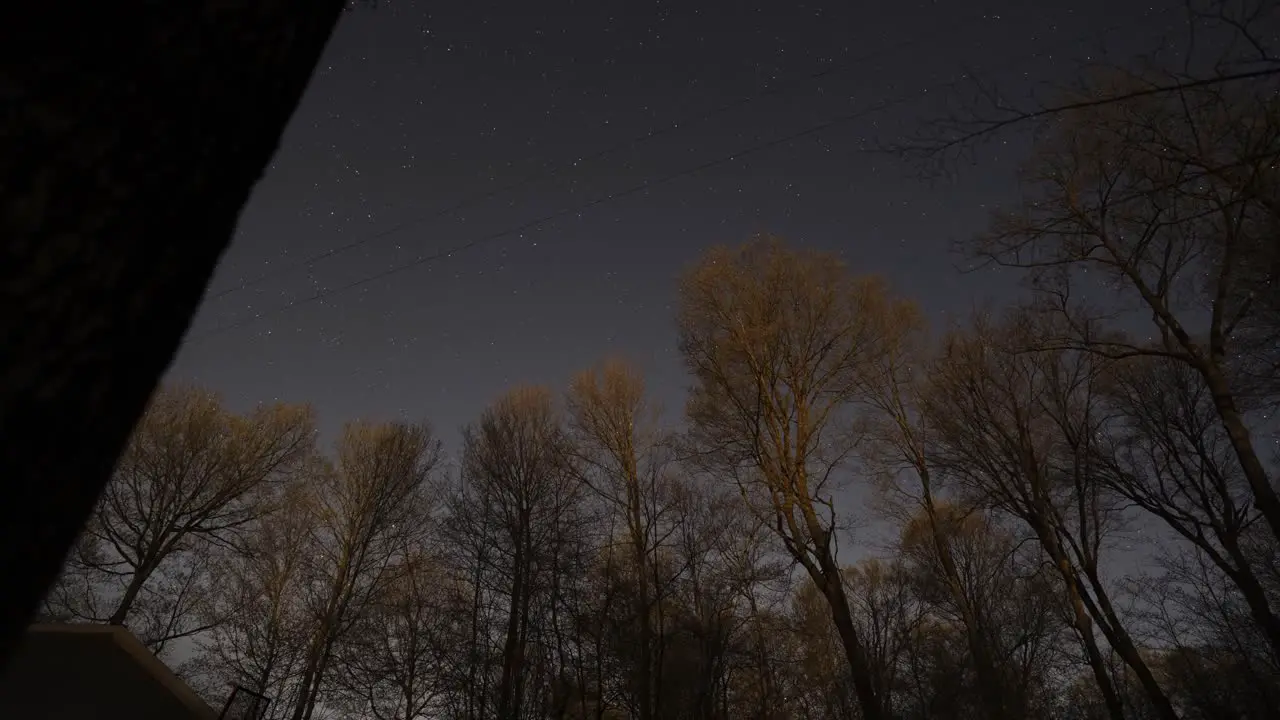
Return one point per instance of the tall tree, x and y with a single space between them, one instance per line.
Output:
1017 428
1169 456
1218 662
1163 206
889 615
898 448
516 492
980 582
367 506
777 341
624 459
193 477
259 622
395 662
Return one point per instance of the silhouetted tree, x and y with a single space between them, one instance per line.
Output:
777 342
367 505
395 662
1017 428
259 624
1227 43
1170 457
1158 204
517 492
623 458
193 477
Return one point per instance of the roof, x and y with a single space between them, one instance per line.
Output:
87 672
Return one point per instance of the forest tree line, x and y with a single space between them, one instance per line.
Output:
584 561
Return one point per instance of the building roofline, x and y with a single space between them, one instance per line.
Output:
145 659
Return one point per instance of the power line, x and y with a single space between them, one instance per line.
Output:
634 189
470 244
555 170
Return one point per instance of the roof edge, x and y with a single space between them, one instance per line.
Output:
146 659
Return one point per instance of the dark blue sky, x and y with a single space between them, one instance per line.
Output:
418 106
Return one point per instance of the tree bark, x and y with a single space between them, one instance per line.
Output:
127 157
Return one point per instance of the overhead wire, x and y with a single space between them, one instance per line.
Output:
532 224
837 67
421 260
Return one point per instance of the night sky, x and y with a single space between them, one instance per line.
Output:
418 107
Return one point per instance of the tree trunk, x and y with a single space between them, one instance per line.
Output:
520 696
475 703
128 599
511 650
127 155
1255 596
991 685
645 690
1101 612
1124 646
1097 663
832 586
322 641
309 681
1264 494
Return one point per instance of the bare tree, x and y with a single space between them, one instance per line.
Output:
747 568
624 458
516 493
888 614
471 558
395 664
823 664
259 622
192 478
366 506
1227 43
594 664
777 341
994 583
1017 429
1170 457
1218 662
898 448
1164 207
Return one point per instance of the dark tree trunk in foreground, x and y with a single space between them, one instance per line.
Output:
132 134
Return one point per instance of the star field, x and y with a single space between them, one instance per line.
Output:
430 127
